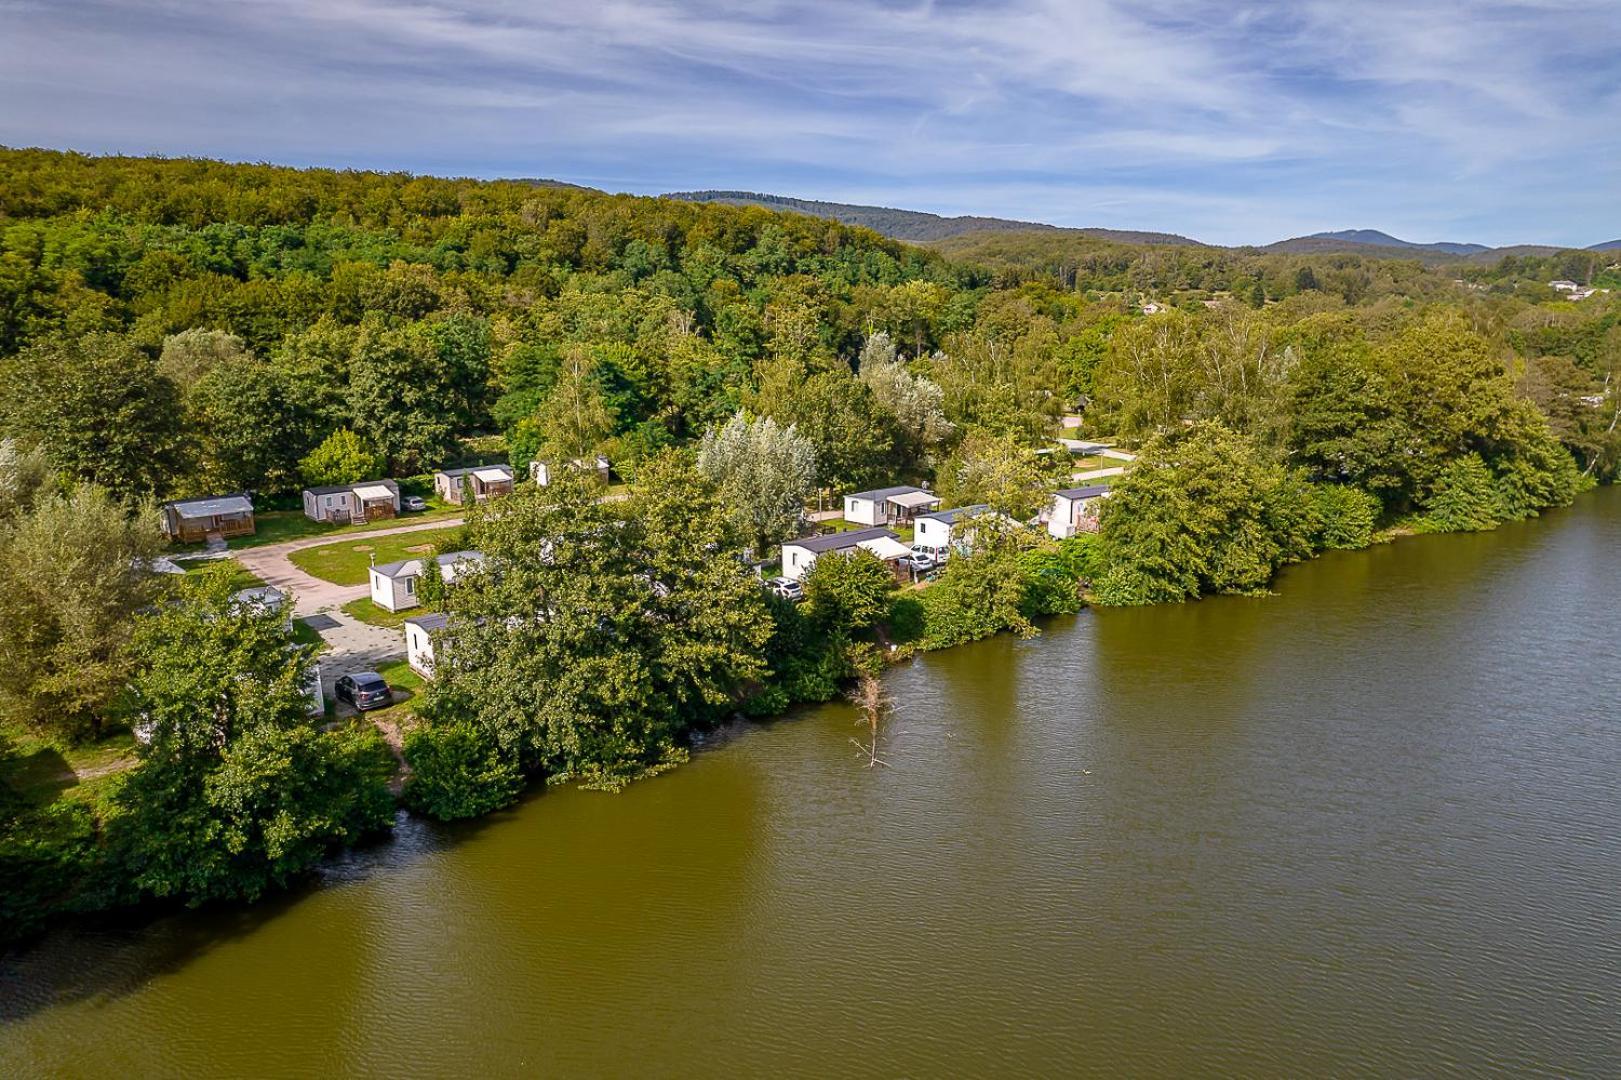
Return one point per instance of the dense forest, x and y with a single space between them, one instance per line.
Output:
180 327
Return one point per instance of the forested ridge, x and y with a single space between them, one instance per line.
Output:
180 327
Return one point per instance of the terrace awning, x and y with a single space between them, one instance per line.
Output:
374 492
886 548
492 476
912 499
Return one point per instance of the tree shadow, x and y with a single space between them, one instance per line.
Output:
38 777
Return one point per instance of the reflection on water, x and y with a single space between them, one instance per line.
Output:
1367 824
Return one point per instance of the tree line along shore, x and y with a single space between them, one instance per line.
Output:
174 328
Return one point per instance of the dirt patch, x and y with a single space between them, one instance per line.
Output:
419 549
363 547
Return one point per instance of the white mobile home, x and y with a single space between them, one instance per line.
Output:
347 504
1075 510
540 473
420 632
485 481
888 506
945 528
798 556
396 586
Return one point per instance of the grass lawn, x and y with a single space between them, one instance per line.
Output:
305 634
40 773
1087 464
241 577
274 526
346 562
367 611
405 683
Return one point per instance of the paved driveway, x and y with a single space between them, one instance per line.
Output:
270 562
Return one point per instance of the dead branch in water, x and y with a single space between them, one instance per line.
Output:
869 697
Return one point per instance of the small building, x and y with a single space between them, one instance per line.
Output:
420 632
888 506
486 482
540 473
395 586
353 504
1153 308
193 520
798 556
945 528
1563 286
1075 510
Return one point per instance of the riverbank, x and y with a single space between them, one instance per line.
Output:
1262 837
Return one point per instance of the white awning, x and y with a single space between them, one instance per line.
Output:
886 548
912 499
492 476
374 491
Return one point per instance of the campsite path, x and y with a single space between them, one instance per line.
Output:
270 562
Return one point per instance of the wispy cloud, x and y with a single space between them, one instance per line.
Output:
1490 120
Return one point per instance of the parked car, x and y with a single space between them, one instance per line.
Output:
788 590
921 564
414 502
364 690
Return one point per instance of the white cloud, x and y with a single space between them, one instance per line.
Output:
1205 116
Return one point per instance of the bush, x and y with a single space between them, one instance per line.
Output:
1464 497
457 772
46 855
1346 517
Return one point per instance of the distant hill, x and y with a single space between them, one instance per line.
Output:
537 181
915 226
1608 245
1351 239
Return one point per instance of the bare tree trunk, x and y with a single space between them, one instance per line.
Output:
868 696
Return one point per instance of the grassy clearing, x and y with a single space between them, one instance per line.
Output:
241 576
406 685
346 562
369 612
305 634
41 773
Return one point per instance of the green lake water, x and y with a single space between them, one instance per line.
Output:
1368 825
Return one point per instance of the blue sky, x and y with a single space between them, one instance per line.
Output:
1232 122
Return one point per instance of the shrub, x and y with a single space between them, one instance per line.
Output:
1346 516
457 772
1464 497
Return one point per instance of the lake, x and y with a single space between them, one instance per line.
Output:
1369 824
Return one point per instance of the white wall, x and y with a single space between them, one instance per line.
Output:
933 532
393 594
862 511
419 649
796 561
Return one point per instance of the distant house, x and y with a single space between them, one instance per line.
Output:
1153 308
945 528
191 520
798 556
888 506
420 631
540 472
353 504
1563 286
487 482
261 598
1075 510
396 586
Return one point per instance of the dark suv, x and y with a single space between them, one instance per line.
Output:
364 690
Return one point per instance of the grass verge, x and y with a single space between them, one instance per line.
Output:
346 562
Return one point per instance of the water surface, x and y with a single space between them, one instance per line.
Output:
1368 824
